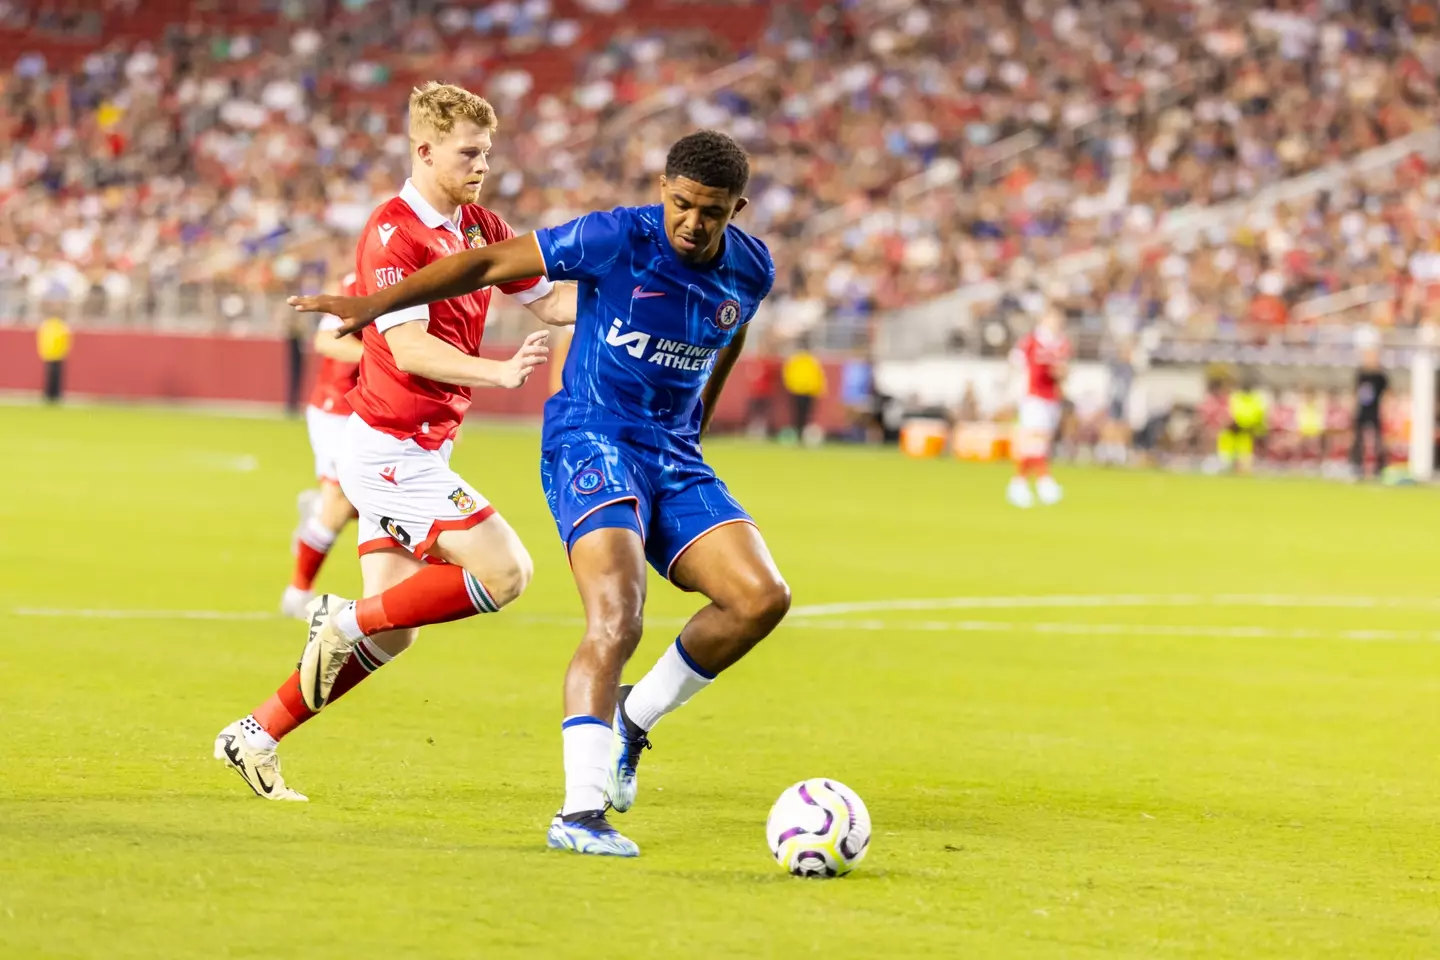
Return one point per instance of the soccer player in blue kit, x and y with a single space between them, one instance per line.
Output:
665 293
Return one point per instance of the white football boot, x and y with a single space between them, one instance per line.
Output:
589 833
326 651
1048 490
628 742
295 603
260 769
1018 493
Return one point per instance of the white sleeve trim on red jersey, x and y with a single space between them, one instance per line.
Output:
384 323
542 286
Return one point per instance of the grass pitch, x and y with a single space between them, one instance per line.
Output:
1174 716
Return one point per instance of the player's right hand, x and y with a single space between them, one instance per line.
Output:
355 312
532 353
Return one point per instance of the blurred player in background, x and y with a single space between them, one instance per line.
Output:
1371 383
324 511
1043 355
666 294
432 549
1248 414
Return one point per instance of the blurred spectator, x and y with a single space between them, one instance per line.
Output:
861 399
804 380
1247 408
763 389
52 339
1370 387
191 155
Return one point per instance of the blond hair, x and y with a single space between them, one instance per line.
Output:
436 107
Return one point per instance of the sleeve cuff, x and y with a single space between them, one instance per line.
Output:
384 323
540 288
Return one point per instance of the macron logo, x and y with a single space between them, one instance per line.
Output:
386 232
641 294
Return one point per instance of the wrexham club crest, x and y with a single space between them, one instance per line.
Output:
473 236
463 501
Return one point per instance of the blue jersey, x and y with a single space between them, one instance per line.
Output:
648 325
621 441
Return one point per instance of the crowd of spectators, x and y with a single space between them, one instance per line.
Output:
901 147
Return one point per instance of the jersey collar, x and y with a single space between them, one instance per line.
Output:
428 215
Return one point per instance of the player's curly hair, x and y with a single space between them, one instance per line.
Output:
711 158
436 107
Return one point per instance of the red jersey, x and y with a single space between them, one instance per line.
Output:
1043 354
335 378
402 236
1215 411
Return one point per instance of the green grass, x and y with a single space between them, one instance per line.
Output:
1044 781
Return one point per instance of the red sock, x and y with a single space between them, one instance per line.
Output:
437 594
307 564
286 709
1041 466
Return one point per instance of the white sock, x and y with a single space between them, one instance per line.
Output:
317 535
587 762
673 680
371 657
345 621
255 736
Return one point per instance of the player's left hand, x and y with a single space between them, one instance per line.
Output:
355 312
532 353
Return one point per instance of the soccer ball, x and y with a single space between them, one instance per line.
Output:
818 828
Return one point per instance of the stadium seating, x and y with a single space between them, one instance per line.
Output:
183 159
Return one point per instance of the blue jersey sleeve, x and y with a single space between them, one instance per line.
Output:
585 248
768 283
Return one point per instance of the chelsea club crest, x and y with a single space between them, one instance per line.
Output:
588 481
728 315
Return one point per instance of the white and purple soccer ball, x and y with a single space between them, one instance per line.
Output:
819 828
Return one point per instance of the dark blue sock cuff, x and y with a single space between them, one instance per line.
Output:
680 649
580 721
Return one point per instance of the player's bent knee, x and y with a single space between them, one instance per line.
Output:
619 631
493 554
505 578
765 604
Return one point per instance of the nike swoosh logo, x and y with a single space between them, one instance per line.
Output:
260 778
640 294
386 232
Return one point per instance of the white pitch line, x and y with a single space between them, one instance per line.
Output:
81 614
1062 628
63 613
1142 601
1118 630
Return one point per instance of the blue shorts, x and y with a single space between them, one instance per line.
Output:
670 498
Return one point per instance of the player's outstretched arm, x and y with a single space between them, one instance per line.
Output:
344 349
724 363
420 354
557 308
506 262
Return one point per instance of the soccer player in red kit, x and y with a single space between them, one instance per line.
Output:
324 511
1044 354
432 549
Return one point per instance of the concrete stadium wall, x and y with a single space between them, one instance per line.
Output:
943 381
134 365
